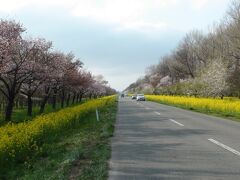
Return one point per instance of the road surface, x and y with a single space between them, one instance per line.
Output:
154 141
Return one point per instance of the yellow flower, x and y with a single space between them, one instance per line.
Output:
228 106
19 139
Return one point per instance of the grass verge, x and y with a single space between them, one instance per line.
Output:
79 153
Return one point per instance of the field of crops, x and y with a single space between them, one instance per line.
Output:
19 141
226 107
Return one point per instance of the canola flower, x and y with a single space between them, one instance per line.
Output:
227 107
18 140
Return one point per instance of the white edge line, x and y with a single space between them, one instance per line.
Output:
225 147
158 113
176 122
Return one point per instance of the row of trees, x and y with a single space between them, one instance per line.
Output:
30 70
201 65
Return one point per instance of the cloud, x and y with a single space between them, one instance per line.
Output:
120 15
110 11
141 26
12 5
123 14
199 4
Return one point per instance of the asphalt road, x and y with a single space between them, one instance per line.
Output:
154 141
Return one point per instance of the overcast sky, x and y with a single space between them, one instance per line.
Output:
116 38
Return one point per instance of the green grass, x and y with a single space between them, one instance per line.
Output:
79 153
20 114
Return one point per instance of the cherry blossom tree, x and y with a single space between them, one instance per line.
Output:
37 67
30 69
15 55
85 80
51 77
69 80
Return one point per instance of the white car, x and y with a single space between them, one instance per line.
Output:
141 97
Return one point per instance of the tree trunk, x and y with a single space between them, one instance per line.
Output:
9 108
21 104
74 97
44 102
68 99
90 96
222 96
54 100
154 91
80 97
30 104
62 99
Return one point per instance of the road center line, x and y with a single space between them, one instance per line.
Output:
157 113
176 122
225 147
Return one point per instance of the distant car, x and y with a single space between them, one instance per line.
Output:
140 97
134 96
122 95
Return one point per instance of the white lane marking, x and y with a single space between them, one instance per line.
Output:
147 108
225 147
178 123
157 113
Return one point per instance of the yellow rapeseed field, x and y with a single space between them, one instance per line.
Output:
18 140
227 107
